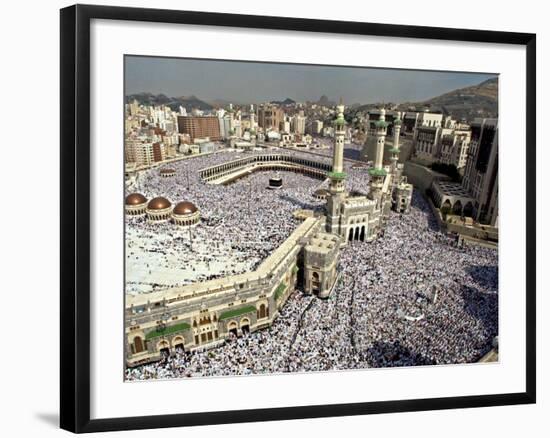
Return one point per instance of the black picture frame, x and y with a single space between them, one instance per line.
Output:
75 217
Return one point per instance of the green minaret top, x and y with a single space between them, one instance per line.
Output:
340 121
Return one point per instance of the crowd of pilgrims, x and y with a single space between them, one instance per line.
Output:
241 223
412 297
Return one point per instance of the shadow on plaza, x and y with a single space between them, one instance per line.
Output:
481 306
420 202
485 276
383 354
301 204
352 154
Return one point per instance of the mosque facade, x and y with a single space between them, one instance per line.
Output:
202 315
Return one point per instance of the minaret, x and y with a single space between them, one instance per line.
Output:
231 138
231 112
378 173
238 126
252 130
395 149
337 176
252 117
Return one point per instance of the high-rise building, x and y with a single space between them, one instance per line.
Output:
134 107
481 173
298 123
426 142
200 127
144 154
317 127
286 124
453 147
270 117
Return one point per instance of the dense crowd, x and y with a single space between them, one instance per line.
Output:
412 297
241 223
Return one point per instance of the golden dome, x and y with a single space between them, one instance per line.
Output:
185 207
159 203
135 199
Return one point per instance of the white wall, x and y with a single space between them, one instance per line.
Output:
30 253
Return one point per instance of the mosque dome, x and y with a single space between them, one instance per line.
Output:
185 207
135 199
159 203
397 121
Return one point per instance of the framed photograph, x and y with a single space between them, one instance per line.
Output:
269 218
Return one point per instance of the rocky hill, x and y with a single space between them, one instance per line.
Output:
464 103
468 103
188 102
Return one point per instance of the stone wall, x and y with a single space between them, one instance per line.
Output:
422 177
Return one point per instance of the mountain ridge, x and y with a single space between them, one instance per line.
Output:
466 103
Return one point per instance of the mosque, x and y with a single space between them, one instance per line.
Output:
202 315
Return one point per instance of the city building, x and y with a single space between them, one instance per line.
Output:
144 154
409 121
317 127
200 127
270 117
426 143
133 108
477 196
453 147
481 173
298 123
427 119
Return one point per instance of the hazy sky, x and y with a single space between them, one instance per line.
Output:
257 82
